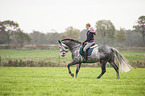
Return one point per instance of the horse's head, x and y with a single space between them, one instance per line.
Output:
68 44
63 48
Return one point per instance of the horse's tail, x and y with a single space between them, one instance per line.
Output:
123 65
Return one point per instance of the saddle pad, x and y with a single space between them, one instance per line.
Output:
89 51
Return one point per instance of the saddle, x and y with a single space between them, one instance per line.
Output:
89 50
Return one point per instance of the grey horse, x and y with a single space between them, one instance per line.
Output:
102 54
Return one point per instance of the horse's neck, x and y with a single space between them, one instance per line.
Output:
73 46
76 47
74 50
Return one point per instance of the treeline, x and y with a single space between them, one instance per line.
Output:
106 33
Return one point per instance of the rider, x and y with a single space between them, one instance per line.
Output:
90 40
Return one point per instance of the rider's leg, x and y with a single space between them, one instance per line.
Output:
85 49
88 45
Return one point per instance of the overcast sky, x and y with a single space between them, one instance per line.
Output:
49 15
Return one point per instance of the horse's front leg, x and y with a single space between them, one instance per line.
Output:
70 64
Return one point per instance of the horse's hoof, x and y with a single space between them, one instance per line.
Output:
72 74
98 78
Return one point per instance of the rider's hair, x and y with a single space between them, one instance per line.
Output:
88 24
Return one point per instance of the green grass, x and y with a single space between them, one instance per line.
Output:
54 55
134 56
55 81
36 55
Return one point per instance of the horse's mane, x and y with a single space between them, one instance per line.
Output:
71 39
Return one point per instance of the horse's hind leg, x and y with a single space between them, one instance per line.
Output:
114 66
77 70
103 66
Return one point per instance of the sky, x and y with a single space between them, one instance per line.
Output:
57 15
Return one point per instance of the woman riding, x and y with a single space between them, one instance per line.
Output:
89 41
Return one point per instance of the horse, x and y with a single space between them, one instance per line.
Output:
102 54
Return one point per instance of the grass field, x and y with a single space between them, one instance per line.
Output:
55 81
36 55
54 55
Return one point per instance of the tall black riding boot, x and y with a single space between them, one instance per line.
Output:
85 57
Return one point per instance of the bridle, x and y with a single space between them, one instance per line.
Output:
63 48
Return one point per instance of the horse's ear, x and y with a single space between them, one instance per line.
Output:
59 41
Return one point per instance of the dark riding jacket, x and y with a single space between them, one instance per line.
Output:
90 36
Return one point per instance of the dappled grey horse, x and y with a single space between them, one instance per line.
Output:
102 54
